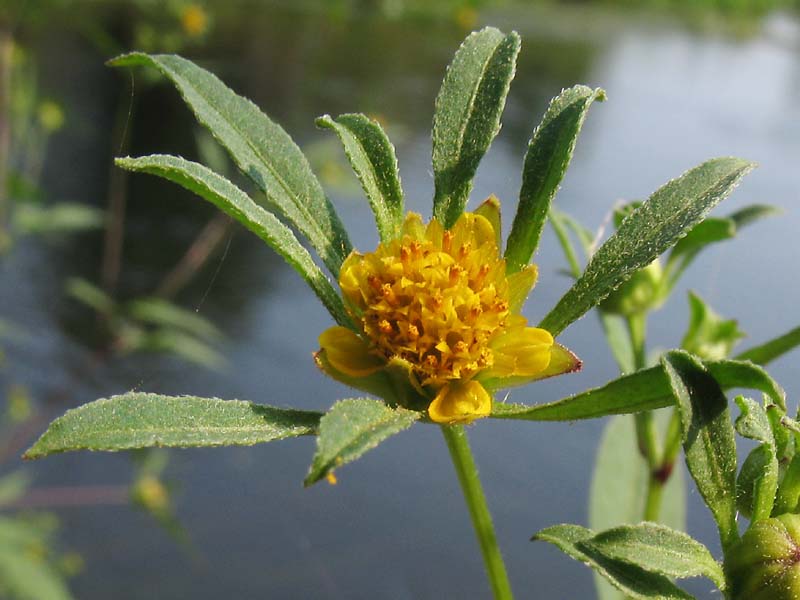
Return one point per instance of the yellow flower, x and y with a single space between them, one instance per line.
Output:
438 321
194 20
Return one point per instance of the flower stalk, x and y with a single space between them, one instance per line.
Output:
467 472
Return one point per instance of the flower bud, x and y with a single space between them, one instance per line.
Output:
765 563
641 293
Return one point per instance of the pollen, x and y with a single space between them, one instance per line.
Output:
433 298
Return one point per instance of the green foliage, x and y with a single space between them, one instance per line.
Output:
773 349
658 549
620 486
634 581
238 205
549 153
372 157
139 420
708 438
351 428
62 217
646 389
261 149
467 116
709 336
152 325
650 230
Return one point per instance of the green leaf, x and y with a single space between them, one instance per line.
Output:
28 577
140 420
261 149
158 311
650 230
634 581
351 428
774 348
61 217
753 422
558 223
549 153
709 336
658 549
467 115
708 438
706 233
235 203
619 487
372 157
90 295
619 341
647 389
757 483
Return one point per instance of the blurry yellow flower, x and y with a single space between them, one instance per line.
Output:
194 20
438 316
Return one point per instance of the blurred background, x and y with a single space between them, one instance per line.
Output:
111 282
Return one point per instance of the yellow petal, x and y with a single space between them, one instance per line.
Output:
521 352
562 361
349 353
460 402
413 226
490 210
520 285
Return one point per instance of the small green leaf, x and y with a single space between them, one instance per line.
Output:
467 116
634 581
90 295
140 420
28 577
158 311
775 348
619 341
709 336
650 230
351 428
753 422
261 149
235 203
658 549
372 157
549 153
701 235
757 484
708 438
647 389
619 487
61 217
751 214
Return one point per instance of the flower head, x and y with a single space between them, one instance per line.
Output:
437 313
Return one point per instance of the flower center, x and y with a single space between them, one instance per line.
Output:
434 298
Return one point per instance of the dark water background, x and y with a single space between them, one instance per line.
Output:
395 526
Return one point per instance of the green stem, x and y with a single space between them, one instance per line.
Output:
646 435
464 464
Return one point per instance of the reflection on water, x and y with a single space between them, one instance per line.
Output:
395 526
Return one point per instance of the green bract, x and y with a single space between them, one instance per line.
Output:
765 563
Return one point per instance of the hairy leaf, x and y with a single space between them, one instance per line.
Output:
467 116
261 149
141 420
650 230
647 389
372 157
658 549
549 153
238 205
351 428
634 581
708 438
